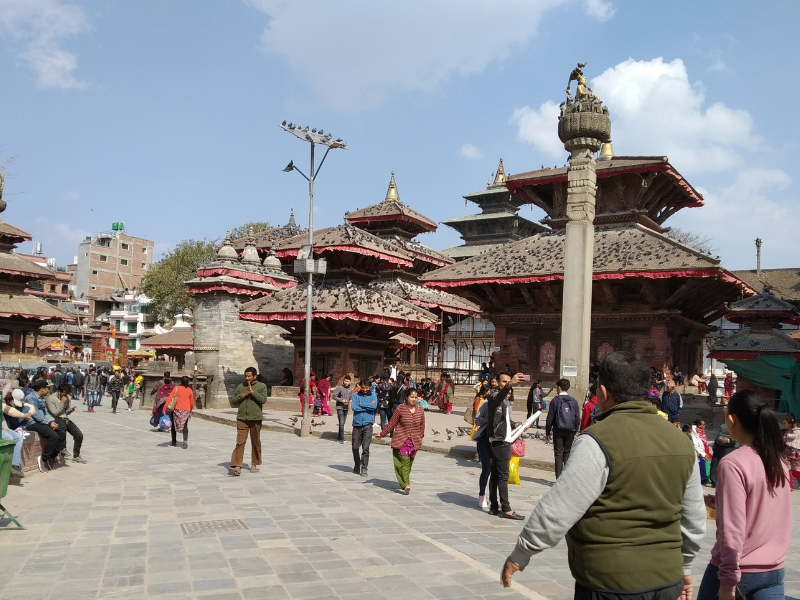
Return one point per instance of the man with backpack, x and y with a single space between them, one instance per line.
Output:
563 420
590 408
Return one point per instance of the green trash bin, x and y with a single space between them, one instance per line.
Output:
6 454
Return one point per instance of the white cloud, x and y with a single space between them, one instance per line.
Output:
59 240
41 27
655 109
354 53
602 10
539 127
470 151
735 215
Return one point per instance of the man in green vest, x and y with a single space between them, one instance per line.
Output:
629 501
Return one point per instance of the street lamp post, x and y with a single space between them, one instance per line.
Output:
305 262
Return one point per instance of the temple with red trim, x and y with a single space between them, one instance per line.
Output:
651 294
369 310
21 314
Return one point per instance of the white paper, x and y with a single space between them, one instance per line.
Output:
518 431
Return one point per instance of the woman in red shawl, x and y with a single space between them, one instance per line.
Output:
728 385
323 394
312 384
162 392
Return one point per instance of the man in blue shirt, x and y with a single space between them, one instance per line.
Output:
364 403
53 437
671 402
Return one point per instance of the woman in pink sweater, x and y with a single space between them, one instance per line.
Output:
753 504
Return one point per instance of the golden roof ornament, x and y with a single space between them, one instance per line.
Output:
584 122
500 177
391 194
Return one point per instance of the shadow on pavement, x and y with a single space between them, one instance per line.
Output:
539 481
342 468
459 499
385 484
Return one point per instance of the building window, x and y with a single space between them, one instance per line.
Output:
64 289
144 266
132 344
94 272
144 250
124 246
85 254
123 261
117 326
103 258
94 287
105 242
52 288
132 327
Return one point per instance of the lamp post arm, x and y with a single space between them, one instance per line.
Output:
301 173
322 161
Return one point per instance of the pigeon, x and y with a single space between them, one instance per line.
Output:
293 420
449 431
460 433
312 423
322 422
449 437
435 432
284 123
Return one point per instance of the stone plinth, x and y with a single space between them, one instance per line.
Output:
225 346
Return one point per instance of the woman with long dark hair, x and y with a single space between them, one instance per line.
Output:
753 504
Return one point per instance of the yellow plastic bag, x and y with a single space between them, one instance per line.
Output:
513 471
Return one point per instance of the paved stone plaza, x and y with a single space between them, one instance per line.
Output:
131 524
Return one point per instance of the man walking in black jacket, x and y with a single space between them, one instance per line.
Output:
563 420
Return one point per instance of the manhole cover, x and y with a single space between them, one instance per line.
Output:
213 526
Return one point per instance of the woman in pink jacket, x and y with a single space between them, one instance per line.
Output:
753 504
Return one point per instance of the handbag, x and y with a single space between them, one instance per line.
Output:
469 415
173 400
518 448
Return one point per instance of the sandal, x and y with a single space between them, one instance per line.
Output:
254 469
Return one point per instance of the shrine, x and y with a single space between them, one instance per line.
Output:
224 346
650 293
370 305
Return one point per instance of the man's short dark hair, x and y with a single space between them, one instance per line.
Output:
347 377
251 370
504 373
563 384
166 374
625 375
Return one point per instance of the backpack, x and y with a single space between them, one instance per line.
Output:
594 413
566 415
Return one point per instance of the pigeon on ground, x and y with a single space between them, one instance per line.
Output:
435 432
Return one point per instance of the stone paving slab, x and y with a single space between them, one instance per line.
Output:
112 528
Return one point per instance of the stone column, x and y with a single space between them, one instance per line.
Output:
583 126
578 256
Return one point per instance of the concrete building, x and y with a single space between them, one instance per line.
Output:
110 261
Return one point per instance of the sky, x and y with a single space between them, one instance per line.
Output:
165 115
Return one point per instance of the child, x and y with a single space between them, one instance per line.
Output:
791 437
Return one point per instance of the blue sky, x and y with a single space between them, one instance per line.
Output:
165 115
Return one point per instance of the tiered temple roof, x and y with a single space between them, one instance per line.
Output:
427 297
340 300
391 217
497 224
172 340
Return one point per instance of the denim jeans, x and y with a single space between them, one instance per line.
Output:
485 455
752 586
386 414
17 438
91 398
341 412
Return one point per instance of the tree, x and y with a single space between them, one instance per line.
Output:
164 281
242 230
694 240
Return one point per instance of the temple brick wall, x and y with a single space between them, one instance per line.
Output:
240 344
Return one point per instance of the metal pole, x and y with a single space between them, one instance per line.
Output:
305 425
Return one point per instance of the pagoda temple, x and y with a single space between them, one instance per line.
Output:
224 345
21 314
265 240
650 294
370 303
498 222
762 356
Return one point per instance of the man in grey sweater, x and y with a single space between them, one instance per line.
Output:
629 501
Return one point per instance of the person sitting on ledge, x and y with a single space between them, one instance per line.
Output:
15 415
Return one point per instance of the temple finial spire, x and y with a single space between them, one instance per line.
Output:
291 219
500 177
392 194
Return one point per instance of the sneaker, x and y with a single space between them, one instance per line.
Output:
90 410
17 472
113 412
364 473
129 410
65 454
78 459
51 464
356 470
513 515
483 502
185 445
42 464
